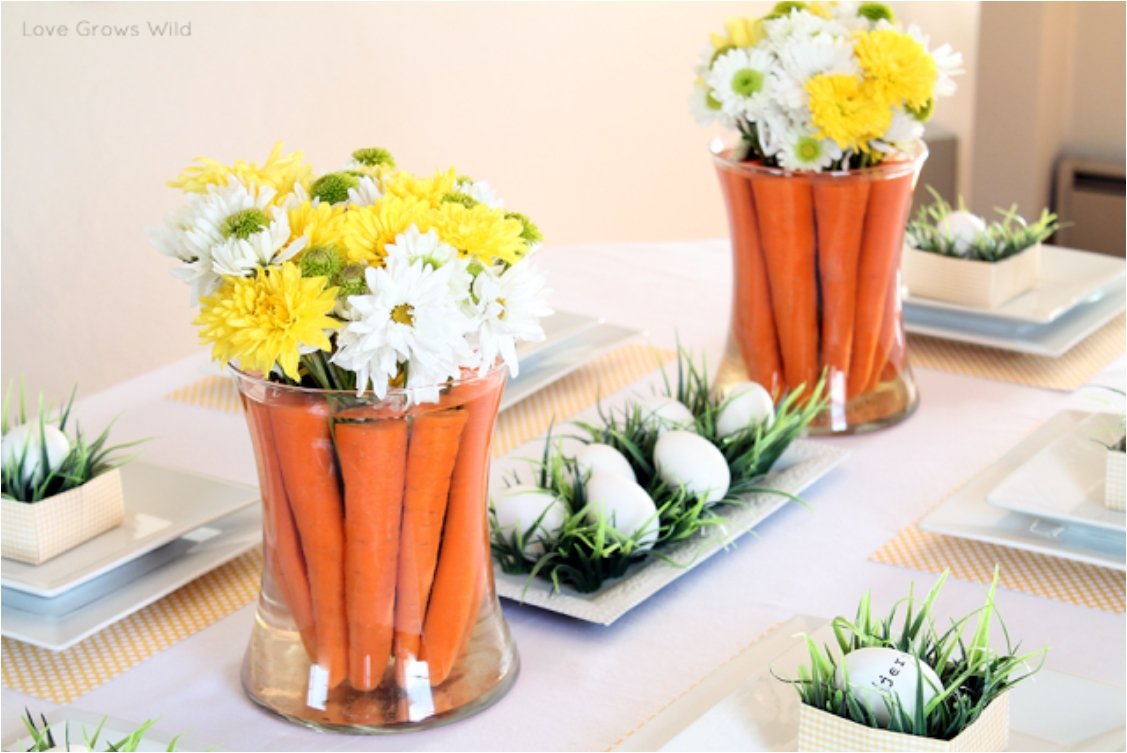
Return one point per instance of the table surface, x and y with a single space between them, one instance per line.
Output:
584 686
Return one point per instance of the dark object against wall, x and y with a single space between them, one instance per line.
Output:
1091 200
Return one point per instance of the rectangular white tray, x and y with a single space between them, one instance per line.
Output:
804 463
113 731
134 585
161 504
967 515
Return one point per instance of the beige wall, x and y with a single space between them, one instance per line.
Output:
576 111
1057 88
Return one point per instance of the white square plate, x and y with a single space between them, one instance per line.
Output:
967 515
161 504
121 592
1068 277
803 463
743 706
1064 480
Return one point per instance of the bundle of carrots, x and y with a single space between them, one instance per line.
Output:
815 265
376 534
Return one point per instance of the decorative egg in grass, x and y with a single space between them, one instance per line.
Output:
683 458
661 413
625 506
602 458
27 436
962 228
744 404
536 513
876 673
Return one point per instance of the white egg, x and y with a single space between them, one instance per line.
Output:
683 458
661 413
536 513
602 458
962 228
27 435
744 404
878 671
625 506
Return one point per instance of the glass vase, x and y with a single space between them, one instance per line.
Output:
377 611
816 286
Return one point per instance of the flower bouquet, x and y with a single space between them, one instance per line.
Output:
59 489
955 256
829 102
654 473
918 687
369 315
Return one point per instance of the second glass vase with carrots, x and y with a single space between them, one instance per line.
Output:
378 611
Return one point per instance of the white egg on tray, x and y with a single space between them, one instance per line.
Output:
662 413
536 513
25 441
602 458
962 228
685 459
744 404
625 506
879 672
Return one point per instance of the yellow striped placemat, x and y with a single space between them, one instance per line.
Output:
1069 372
1035 574
62 676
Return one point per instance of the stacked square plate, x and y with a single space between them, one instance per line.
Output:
1076 294
177 526
1045 495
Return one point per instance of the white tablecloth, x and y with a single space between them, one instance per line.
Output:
584 686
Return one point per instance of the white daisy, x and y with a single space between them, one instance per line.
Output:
412 246
481 192
705 108
246 249
947 62
902 133
407 318
784 30
366 192
805 151
510 307
739 80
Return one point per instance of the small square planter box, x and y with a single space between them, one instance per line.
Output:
1115 485
820 730
982 284
35 532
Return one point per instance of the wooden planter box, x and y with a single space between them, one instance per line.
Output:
820 730
37 531
1115 486
982 284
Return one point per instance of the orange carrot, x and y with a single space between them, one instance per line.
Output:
464 561
281 544
890 342
840 208
889 202
753 320
431 454
373 464
785 208
305 452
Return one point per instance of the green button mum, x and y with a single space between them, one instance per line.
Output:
747 81
244 223
333 187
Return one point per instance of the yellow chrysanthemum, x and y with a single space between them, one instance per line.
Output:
479 231
408 185
368 230
280 172
897 67
845 109
265 320
323 223
738 32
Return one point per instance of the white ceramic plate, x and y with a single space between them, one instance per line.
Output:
1064 480
967 515
1068 278
136 584
113 730
559 327
1053 339
161 504
803 463
741 706
551 364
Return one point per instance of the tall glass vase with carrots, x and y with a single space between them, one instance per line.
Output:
829 102
369 317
